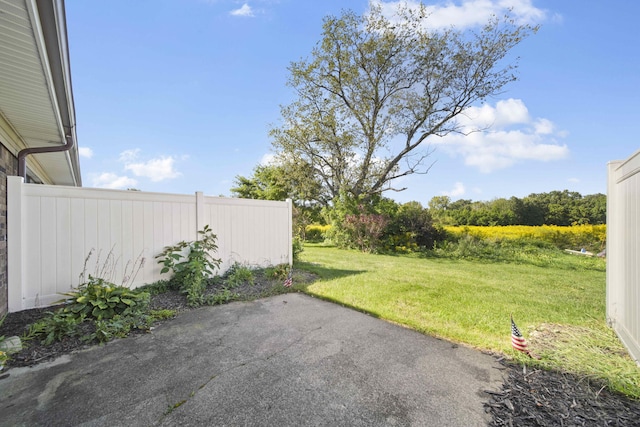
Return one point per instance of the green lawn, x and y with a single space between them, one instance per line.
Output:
558 302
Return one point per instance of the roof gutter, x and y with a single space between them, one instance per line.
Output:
52 19
22 154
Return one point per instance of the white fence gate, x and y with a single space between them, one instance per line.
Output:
623 251
52 229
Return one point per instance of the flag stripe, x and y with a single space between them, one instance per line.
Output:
517 340
287 283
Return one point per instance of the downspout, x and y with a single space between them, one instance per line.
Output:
51 16
22 154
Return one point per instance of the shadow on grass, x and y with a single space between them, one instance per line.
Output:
325 273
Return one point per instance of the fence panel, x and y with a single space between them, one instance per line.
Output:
53 229
623 251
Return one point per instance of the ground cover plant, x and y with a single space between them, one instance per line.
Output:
557 299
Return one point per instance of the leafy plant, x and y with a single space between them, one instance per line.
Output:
118 327
159 287
277 272
237 275
103 300
221 297
162 314
297 248
191 263
56 326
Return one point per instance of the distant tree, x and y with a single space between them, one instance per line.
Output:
438 206
553 208
501 212
374 90
593 209
533 211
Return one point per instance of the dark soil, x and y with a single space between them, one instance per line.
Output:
532 397
33 352
527 398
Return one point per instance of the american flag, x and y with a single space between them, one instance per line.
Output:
287 283
517 340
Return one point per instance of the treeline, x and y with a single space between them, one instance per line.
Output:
554 208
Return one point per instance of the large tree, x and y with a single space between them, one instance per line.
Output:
375 90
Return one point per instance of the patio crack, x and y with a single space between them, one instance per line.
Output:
171 407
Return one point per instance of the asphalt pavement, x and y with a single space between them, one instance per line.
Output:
287 360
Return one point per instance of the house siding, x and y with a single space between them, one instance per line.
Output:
8 166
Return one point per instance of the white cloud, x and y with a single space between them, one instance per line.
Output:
128 156
267 160
506 112
574 180
85 152
471 13
157 169
113 181
544 127
511 136
457 191
245 10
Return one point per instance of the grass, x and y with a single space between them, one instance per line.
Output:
557 300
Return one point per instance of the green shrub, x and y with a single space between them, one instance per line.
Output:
297 248
159 287
411 229
190 270
103 300
221 297
56 326
237 275
316 232
365 230
277 272
118 327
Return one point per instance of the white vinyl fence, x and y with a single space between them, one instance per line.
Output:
623 251
52 229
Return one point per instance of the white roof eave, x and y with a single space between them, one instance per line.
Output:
37 103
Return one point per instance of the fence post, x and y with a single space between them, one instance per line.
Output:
613 257
14 243
290 227
199 213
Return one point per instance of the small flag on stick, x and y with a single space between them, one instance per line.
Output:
287 283
517 340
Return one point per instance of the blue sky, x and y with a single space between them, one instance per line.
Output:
178 96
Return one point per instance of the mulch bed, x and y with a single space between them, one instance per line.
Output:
534 397
528 397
